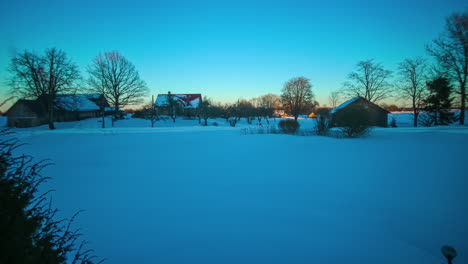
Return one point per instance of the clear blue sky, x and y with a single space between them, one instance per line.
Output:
227 49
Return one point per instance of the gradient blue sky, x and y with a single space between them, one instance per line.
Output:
227 49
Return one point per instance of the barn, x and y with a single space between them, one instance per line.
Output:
71 107
377 115
30 113
26 113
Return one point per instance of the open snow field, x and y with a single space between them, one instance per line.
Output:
190 194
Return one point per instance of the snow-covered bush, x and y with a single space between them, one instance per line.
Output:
260 130
288 126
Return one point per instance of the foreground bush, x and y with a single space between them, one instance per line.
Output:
29 230
288 126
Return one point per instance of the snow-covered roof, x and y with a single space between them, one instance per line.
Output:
343 105
77 102
93 96
186 100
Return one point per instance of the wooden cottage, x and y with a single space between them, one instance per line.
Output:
377 115
186 101
186 104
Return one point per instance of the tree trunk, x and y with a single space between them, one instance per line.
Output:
462 110
416 115
51 112
103 119
51 118
115 113
173 114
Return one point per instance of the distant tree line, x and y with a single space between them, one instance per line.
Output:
43 76
259 109
297 99
417 79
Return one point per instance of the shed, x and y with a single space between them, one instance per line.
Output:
378 116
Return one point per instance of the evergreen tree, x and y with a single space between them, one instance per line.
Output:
29 230
439 101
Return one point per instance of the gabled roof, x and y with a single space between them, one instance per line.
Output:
343 105
350 101
186 100
33 105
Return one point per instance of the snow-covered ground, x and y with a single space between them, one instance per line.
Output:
189 194
3 121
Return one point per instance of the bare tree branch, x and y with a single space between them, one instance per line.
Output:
451 53
117 79
43 77
297 95
334 98
412 84
368 81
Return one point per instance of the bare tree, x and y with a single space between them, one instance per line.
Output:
207 110
297 95
334 98
368 81
151 112
43 77
412 84
451 53
271 101
117 79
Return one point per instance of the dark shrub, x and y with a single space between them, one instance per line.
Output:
288 126
393 122
354 121
322 124
139 114
233 122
